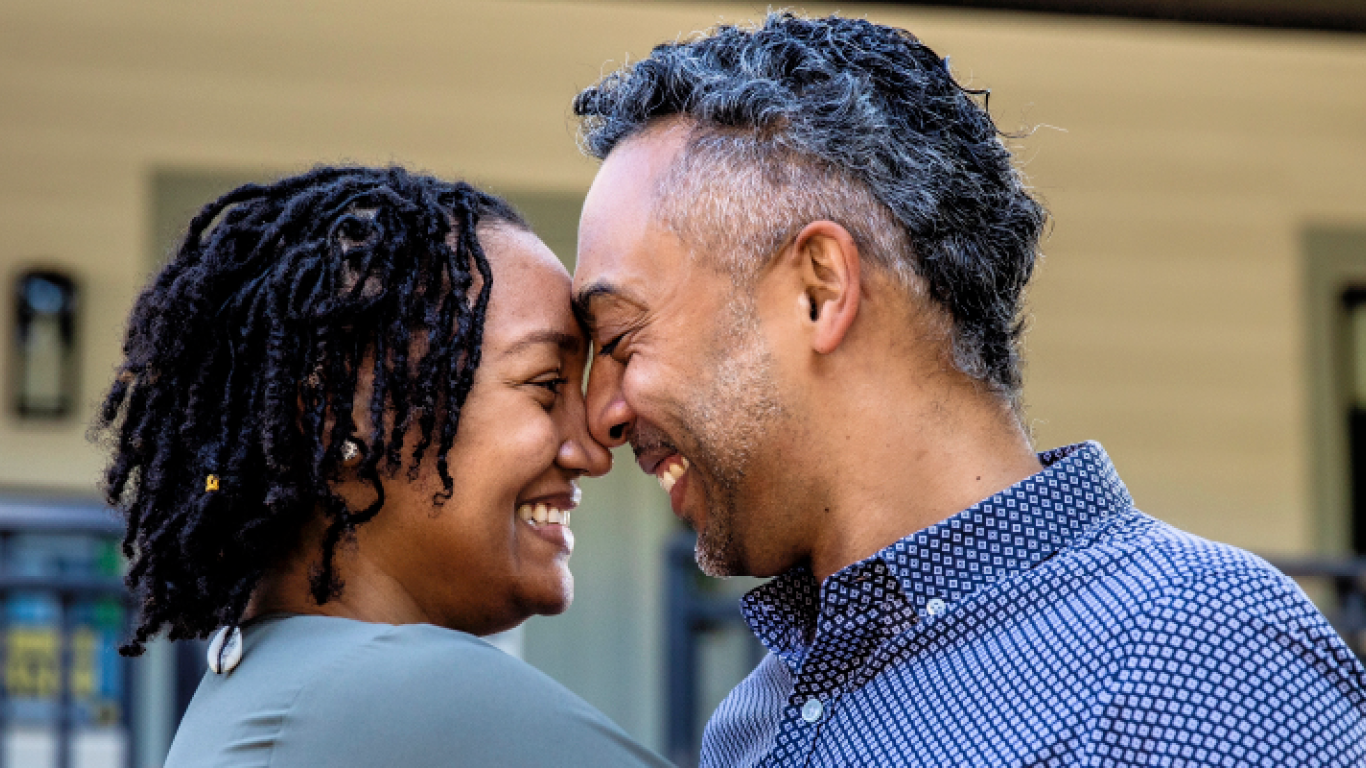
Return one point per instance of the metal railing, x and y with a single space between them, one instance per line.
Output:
691 612
59 667
1345 578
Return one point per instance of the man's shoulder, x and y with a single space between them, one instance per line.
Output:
1163 587
1161 561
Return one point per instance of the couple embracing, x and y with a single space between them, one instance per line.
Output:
350 419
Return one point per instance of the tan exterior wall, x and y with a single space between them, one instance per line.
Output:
1185 163
1181 164
1167 316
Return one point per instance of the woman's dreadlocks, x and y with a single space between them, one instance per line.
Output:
230 410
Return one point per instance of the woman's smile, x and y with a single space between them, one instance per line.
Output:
548 516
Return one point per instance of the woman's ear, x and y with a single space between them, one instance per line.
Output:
828 259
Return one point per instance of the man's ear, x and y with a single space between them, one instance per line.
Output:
828 259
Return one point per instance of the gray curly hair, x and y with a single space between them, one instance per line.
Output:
798 120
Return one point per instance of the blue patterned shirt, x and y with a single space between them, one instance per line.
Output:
1051 624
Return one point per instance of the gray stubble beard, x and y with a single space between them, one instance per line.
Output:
732 420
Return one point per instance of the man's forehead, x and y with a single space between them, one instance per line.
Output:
653 149
623 249
622 198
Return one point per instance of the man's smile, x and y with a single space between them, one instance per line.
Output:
670 470
670 467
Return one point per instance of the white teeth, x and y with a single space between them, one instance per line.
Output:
542 514
669 477
576 497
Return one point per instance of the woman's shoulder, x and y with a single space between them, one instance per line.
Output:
412 692
419 656
413 661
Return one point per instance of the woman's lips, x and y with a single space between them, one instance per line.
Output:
556 534
548 517
544 514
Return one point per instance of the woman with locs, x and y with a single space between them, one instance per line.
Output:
345 434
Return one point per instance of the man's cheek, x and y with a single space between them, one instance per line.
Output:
642 389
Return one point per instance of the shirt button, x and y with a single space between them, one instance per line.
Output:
812 710
935 607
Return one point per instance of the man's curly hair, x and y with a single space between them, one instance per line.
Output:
242 361
797 120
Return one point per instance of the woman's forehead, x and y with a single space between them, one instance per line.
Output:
530 296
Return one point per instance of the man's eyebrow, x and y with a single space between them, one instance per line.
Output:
583 301
567 342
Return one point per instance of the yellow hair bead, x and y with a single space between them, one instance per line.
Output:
211 483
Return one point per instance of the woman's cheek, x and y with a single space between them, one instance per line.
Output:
535 441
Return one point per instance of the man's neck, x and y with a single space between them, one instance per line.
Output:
900 474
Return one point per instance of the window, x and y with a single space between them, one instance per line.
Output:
1353 366
45 329
1335 343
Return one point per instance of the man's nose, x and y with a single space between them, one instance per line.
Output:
610 417
579 452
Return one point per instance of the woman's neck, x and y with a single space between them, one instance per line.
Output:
369 594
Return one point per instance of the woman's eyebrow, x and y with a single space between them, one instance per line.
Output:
567 342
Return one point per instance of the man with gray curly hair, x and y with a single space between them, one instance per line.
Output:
802 263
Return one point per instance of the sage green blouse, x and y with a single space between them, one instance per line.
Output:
320 691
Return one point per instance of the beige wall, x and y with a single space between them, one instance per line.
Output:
1182 165
1167 320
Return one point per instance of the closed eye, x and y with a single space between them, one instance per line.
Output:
611 346
551 384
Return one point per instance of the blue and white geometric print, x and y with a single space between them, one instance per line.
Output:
1051 624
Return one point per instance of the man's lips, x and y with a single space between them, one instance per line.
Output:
672 471
655 456
649 459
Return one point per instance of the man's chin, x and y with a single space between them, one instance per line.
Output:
717 559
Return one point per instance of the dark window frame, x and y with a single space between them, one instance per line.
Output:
24 315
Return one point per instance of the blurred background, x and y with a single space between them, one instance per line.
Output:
1200 310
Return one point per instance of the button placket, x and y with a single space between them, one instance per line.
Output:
825 667
813 710
937 574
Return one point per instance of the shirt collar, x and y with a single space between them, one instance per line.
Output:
1012 531
1005 534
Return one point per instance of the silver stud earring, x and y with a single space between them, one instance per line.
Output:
350 452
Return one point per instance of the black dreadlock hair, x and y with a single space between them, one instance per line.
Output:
228 415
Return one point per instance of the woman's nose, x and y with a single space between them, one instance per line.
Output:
584 456
610 418
580 452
